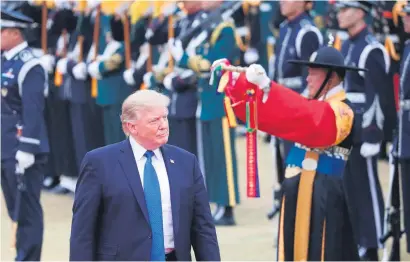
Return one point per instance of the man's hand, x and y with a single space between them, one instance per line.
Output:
256 75
80 71
128 76
24 160
369 150
48 61
175 47
93 70
62 65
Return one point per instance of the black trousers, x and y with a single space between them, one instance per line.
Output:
24 207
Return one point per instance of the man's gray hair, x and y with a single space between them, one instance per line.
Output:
138 101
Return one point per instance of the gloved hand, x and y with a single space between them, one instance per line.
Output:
48 61
251 56
175 47
256 74
147 79
62 65
80 71
218 62
128 76
93 3
93 70
24 160
369 150
168 81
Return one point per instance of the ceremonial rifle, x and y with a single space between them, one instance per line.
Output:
96 36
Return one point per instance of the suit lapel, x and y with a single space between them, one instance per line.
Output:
174 186
130 169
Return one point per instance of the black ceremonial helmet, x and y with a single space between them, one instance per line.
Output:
329 59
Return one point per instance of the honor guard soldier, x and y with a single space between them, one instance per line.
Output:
364 194
314 223
180 84
107 69
24 147
402 146
75 89
216 148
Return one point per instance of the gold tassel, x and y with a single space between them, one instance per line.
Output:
389 45
58 79
94 91
229 113
143 86
338 43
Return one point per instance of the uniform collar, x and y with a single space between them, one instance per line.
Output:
336 93
297 19
139 150
15 50
361 34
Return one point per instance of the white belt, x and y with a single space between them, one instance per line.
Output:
356 98
405 104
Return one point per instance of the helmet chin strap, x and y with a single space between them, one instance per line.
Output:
328 75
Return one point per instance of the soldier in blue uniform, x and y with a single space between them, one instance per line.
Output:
24 146
403 142
216 148
298 39
76 90
108 69
364 195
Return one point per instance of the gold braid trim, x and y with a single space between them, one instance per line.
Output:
217 32
199 64
113 62
344 119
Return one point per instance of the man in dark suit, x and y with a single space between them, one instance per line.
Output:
141 199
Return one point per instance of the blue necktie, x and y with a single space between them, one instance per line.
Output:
153 200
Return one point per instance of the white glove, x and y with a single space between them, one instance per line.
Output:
168 9
369 150
62 66
48 61
256 74
93 3
93 70
251 56
168 81
147 79
61 43
175 47
24 160
128 76
80 71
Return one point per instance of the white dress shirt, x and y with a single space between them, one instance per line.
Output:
160 169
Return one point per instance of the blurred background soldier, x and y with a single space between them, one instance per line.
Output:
403 139
216 150
24 147
107 69
364 195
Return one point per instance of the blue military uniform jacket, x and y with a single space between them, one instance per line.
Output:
404 112
364 89
298 39
24 85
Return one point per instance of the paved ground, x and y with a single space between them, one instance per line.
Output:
252 239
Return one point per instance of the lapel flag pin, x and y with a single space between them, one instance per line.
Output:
172 161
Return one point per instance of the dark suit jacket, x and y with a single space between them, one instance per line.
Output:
110 217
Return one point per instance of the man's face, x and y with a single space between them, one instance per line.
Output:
315 79
406 23
151 127
192 6
290 8
9 38
348 16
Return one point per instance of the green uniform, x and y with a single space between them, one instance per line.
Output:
216 144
